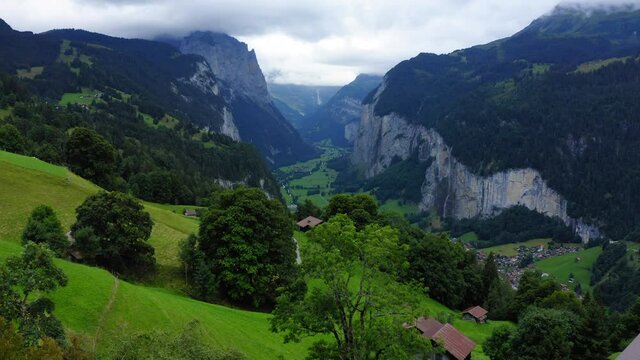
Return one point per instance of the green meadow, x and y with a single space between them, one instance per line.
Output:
560 267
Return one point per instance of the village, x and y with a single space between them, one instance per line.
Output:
512 267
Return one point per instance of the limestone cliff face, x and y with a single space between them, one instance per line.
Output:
249 113
449 187
231 61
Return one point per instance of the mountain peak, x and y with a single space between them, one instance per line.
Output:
4 27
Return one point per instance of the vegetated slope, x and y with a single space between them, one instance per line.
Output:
84 305
28 182
519 102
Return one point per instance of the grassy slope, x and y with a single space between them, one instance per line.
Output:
561 266
27 182
512 249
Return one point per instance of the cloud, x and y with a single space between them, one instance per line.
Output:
309 42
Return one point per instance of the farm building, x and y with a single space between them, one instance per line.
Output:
190 213
456 345
475 313
309 223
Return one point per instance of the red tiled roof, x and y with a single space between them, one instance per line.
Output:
309 221
455 343
428 327
476 311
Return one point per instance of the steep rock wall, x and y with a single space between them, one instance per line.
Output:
449 187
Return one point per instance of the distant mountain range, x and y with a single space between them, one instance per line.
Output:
298 102
548 118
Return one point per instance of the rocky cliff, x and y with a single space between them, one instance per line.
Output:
449 187
250 114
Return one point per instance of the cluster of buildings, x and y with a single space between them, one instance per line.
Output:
512 266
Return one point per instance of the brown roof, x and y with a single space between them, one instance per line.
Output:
632 352
454 341
428 327
476 311
309 221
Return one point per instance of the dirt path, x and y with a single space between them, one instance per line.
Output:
105 313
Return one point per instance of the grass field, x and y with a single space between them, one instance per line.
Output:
512 249
395 206
86 97
561 266
310 176
468 237
4 113
598 64
31 73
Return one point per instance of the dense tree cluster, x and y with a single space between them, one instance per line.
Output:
515 224
111 231
114 147
611 254
244 252
43 227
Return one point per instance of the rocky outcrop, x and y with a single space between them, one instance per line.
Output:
231 61
249 113
449 187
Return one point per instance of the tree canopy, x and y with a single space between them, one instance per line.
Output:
43 226
111 231
245 249
354 297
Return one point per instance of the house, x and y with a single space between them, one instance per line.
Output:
309 223
190 213
632 352
456 345
475 313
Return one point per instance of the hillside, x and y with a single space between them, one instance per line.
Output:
521 120
298 102
83 306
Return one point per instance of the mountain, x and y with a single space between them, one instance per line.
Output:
160 110
547 118
338 119
253 116
297 102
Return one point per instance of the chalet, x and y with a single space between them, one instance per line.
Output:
632 352
190 213
456 345
309 223
475 313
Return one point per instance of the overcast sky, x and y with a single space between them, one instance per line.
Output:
320 42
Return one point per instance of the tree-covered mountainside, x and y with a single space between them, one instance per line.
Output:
114 143
560 96
338 118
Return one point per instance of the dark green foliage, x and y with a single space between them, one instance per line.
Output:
592 335
541 334
10 139
197 273
620 288
246 244
43 227
611 254
121 227
515 224
91 156
499 299
308 208
402 179
361 208
498 345
24 282
532 290
188 345
489 275
446 270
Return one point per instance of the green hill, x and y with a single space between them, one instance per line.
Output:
100 308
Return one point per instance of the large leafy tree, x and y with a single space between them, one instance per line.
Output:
246 242
24 283
43 226
355 297
361 208
90 156
111 231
